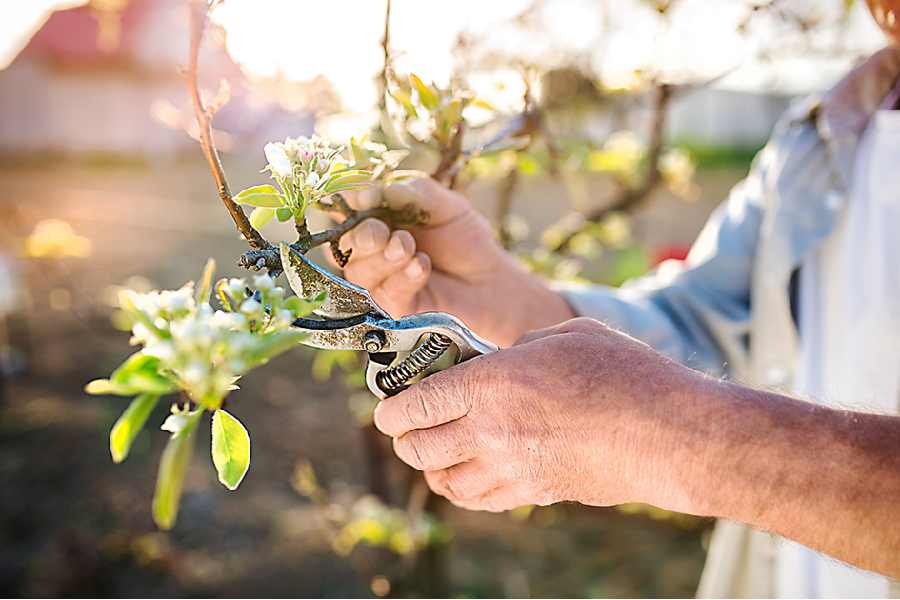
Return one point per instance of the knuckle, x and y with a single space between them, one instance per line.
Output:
354 272
407 449
417 411
461 484
583 323
451 487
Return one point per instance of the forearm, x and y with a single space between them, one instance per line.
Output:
828 479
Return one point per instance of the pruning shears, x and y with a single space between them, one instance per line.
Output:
400 351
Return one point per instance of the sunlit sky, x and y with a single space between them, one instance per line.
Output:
302 39
341 39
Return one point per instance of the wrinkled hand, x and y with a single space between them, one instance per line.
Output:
452 264
577 412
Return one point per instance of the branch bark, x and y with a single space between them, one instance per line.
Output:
269 258
632 197
199 18
385 74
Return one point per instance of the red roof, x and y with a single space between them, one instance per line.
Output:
148 41
73 36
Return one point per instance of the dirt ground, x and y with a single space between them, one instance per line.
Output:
75 524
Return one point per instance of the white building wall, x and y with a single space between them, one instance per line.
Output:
724 117
44 109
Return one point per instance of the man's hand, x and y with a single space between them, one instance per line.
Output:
581 412
452 264
576 412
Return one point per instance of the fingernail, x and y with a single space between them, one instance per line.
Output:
402 192
414 270
365 237
394 250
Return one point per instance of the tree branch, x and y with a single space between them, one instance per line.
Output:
262 254
269 258
199 17
449 165
631 197
385 74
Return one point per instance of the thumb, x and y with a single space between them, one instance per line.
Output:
577 325
417 189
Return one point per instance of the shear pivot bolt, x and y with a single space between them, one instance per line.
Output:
374 341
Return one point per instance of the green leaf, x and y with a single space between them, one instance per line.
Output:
403 98
303 306
230 449
105 387
483 104
528 165
126 303
139 374
345 180
266 196
129 425
172 468
270 345
222 294
260 216
325 361
256 189
427 96
205 287
284 214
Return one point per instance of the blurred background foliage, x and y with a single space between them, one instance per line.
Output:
597 136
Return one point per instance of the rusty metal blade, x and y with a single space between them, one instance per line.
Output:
307 279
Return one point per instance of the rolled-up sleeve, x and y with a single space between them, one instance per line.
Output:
696 311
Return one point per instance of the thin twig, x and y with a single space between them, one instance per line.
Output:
269 258
631 197
449 166
505 194
199 17
385 74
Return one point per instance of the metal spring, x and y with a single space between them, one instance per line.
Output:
394 378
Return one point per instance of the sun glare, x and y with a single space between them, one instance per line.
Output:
20 20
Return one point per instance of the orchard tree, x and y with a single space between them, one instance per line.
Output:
196 342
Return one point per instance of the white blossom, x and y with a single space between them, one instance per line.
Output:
207 350
177 301
237 288
263 282
175 423
228 321
251 307
278 159
163 350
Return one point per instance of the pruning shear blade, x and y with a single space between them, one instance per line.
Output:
344 300
399 350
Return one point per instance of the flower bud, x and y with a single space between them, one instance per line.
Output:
263 282
278 159
237 288
251 307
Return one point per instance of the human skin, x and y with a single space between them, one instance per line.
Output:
452 263
887 14
580 412
589 415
